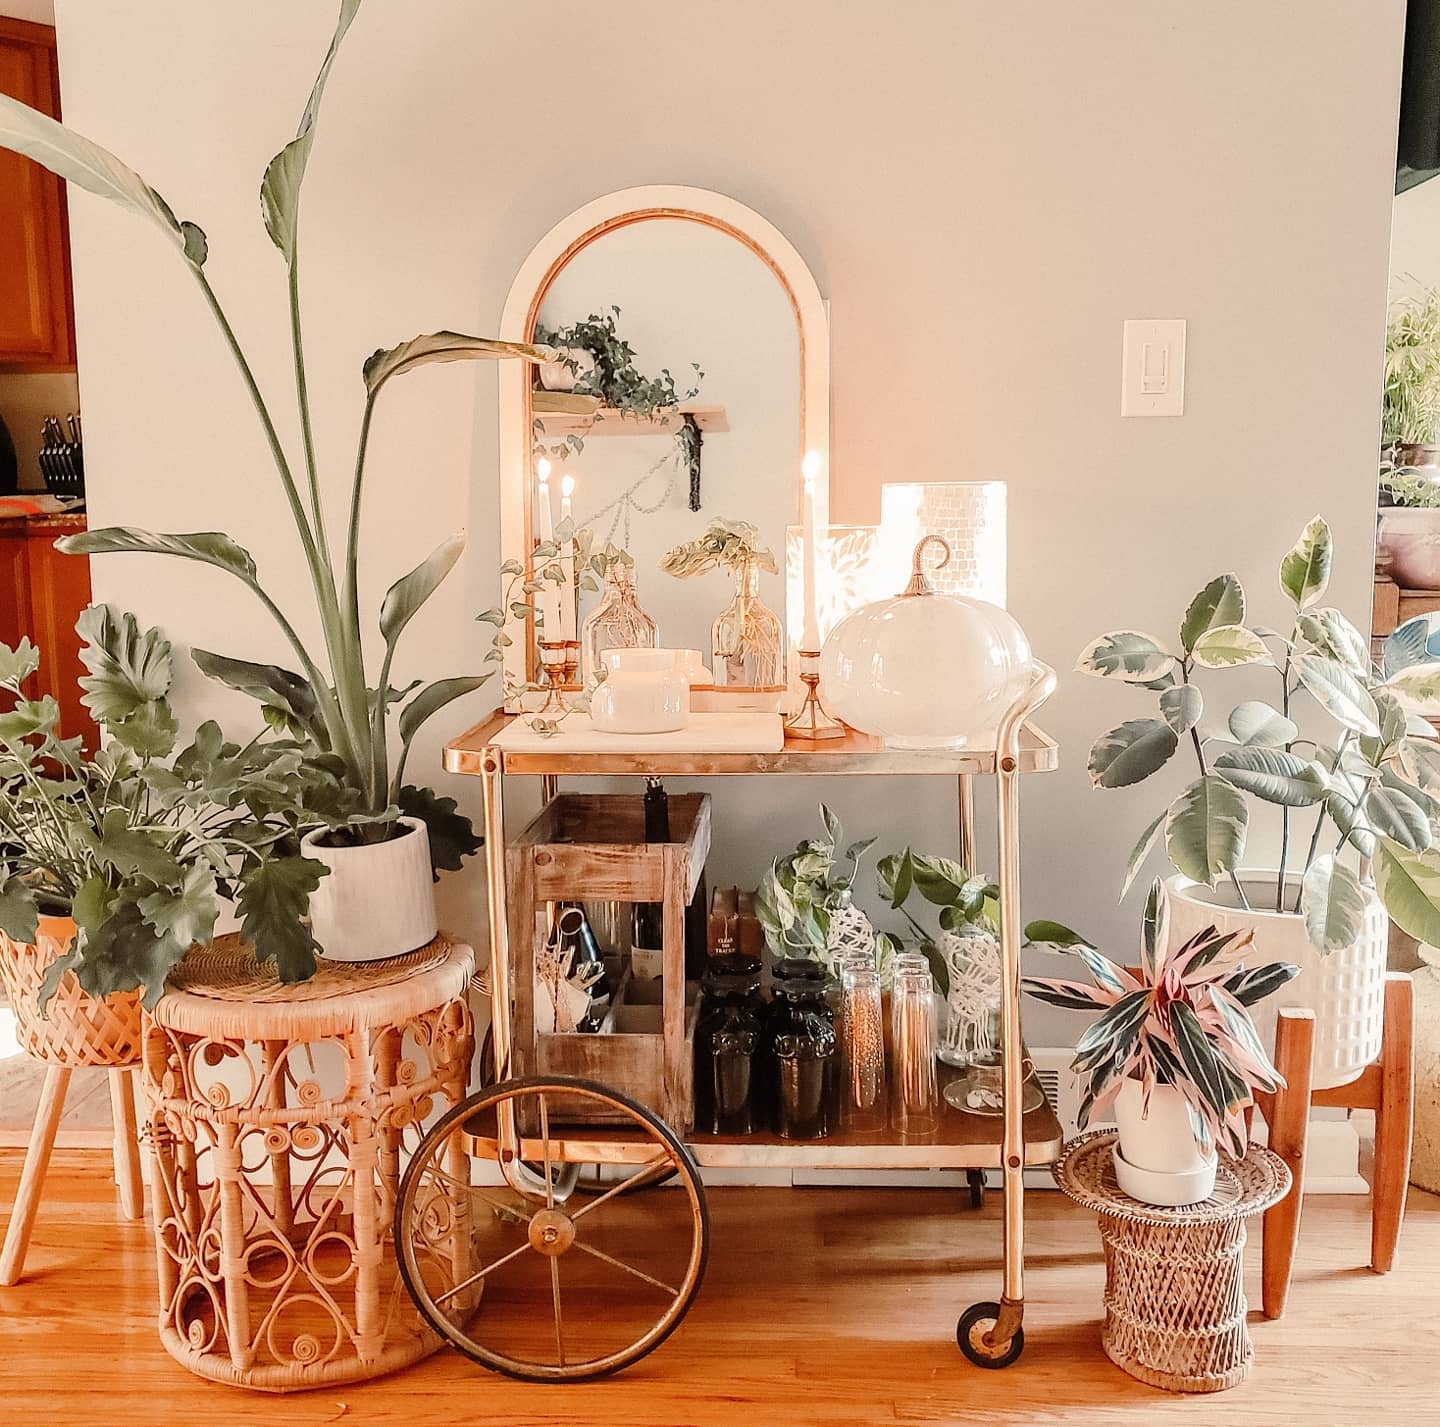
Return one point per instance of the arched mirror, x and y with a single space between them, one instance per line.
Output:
694 379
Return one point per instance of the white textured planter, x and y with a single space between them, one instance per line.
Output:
1345 988
1411 537
378 901
557 376
1158 1159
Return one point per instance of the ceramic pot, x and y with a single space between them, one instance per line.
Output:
1158 1159
1344 988
1410 535
1425 1159
558 376
379 899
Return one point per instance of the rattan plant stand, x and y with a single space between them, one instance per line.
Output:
277 1115
1174 1278
75 1031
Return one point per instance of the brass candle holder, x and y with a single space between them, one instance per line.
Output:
812 719
559 659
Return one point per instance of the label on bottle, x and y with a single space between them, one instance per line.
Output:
646 963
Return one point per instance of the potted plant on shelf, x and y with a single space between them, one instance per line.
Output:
113 867
1174 1051
1367 791
1409 431
382 838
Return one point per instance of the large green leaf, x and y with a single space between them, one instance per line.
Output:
1222 601
1333 902
274 895
1417 688
1275 775
1420 759
27 717
280 189
1328 632
1131 752
1205 829
452 837
443 347
129 851
1339 693
404 598
1139 853
940 880
130 668
17 664
1054 934
1181 707
124 952
149 732
276 688
1255 724
188 913
1390 809
430 700
209 547
1126 654
1409 885
26 131
1305 571
1228 645
19 916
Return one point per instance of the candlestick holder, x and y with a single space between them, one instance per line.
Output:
812 719
559 660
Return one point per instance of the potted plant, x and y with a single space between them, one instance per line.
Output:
112 867
382 838
1367 789
1409 529
1174 1050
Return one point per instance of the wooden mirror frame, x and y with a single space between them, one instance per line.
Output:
554 252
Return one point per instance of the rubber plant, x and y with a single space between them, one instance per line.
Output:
330 703
139 844
1370 789
1182 1019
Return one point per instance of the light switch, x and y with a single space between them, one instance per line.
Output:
1152 374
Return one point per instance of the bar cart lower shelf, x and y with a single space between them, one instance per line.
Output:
498 1186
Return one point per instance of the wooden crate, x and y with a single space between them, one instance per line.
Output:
591 847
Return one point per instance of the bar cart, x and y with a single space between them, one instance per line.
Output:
538 1127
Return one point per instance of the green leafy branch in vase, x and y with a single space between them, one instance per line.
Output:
1373 783
801 890
329 704
962 899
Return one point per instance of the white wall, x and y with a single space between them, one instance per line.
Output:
984 192
1415 236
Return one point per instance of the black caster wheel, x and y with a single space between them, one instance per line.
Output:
975 1178
972 1333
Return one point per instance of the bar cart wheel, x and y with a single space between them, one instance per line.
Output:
483 1261
973 1334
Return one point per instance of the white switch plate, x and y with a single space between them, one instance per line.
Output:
1152 370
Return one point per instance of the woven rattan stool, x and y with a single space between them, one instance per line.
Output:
1174 1284
277 1115
74 1032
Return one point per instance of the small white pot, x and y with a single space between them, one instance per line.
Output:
1158 1159
379 899
557 376
1344 988
1411 537
641 700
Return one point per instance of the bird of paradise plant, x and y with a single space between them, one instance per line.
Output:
1182 1020
329 703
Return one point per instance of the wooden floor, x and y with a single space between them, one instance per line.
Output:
821 1306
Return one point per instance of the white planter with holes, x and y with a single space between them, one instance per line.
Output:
1158 1159
1344 988
378 901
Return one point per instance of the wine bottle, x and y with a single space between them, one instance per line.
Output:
647 944
586 966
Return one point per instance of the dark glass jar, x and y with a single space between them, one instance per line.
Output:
803 1052
729 1044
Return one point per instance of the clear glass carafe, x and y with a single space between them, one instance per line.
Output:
617 622
747 640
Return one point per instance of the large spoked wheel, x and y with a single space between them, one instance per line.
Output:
523 1274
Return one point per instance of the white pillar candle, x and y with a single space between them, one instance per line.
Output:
810 637
567 562
544 518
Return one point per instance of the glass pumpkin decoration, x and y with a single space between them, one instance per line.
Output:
924 670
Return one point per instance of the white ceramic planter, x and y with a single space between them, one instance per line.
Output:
1344 988
1158 1159
378 901
1411 536
557 376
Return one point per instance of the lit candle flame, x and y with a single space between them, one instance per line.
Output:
542 469
810 466
567 486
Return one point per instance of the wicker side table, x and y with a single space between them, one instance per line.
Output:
1174 1282
277 1115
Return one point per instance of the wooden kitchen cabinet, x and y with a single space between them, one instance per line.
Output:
42 593
36 311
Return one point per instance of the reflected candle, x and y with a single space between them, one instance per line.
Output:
810 637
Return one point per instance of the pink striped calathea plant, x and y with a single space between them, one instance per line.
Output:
1182 1020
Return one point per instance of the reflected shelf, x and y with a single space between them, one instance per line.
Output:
568 413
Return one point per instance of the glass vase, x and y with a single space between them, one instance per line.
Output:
746 640
862 1034
915 1091
617 622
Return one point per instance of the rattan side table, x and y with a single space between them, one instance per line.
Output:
277 1115
1174 1278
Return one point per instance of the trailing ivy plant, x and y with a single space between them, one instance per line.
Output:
335 709
1369 789
141 843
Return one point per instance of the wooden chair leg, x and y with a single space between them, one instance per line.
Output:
1287 1113
1394 1121
128 1183
32 1176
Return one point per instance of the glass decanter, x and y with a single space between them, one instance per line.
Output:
747 638
617 622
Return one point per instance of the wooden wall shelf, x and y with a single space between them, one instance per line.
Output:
564 413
